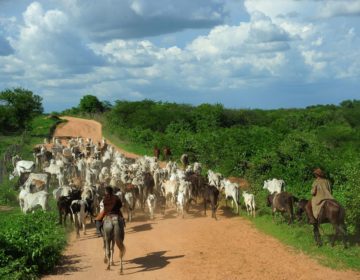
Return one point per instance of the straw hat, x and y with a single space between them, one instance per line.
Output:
319 173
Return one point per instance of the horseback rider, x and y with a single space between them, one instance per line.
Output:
320 191
112 206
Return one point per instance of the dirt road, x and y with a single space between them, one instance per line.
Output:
196 247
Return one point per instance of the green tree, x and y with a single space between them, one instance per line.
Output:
18 107
90 104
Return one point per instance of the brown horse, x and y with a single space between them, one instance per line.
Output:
156 152
167 153
331 212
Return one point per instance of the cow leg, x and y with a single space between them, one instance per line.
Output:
83 222
237 206
205 207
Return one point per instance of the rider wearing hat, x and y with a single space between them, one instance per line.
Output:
320 191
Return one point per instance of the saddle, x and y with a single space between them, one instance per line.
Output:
330 200
115 218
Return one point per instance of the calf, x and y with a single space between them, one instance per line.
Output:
249 200
211 194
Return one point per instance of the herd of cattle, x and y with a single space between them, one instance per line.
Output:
81 169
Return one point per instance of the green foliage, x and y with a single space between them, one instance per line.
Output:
30 244
254 144
17 108
90 104
40 127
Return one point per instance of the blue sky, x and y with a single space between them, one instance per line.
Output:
243 54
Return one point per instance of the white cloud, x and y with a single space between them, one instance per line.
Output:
118 19
48 41
106 48
340 8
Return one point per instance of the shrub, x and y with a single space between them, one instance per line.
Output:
30 244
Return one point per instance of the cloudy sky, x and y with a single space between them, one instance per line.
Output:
241 53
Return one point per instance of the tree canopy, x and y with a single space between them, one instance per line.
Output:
18 107
90 104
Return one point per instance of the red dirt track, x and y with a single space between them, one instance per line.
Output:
196 247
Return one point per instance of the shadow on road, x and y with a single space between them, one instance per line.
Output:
152 261
68 265
143 227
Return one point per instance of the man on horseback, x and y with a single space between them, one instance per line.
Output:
112 206
321 190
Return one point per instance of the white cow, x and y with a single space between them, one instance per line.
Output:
129 204
215 179
61 191
249 200
37 182
28 201
169 189
197 167
274 185
22 166
151 203
231 191
180 203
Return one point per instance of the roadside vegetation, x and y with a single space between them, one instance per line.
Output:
256 145
29 244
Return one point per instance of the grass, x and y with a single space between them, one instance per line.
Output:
300 237
42 127
125 145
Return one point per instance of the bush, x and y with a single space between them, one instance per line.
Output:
254 144
30 245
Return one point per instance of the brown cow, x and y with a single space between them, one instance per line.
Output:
282 202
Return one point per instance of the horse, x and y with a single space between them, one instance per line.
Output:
167 153
331 212
156 152
113 232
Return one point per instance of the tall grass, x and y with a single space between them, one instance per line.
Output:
300 237
29 244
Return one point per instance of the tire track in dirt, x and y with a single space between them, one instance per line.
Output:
196 247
